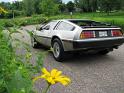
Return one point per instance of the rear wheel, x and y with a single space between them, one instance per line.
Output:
58 51
34 43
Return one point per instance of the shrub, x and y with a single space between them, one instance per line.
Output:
9 14
15 74
24 21
16 13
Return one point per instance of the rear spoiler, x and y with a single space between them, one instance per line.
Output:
110 28
99 27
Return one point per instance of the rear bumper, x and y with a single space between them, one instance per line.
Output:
98 43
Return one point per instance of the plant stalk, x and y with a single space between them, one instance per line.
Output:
46 91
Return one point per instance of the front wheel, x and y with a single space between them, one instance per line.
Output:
58 51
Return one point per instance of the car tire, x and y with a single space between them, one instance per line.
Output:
104 52
34 43
58 51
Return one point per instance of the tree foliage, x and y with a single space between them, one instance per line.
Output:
37 7
58 1
52 7
102 5
49 7
109 5
62 8
29 7
70 6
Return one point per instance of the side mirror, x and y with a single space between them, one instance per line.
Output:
47 27
39 28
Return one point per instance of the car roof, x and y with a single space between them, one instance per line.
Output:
74 20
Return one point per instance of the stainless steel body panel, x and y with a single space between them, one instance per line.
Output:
67 37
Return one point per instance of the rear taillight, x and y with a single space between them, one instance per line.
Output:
116 33
87 34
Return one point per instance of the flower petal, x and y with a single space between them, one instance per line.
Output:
63 80
36 78
53 73
44 76
58 73
64 83
50 80
45 71
67 79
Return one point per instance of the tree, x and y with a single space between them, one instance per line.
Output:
58 1
103 5
87 5
122 4
70 6
17 5
29 7
37 8
109 5
49 7
62 7
94 5
6 5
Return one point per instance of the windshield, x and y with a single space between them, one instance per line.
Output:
88 23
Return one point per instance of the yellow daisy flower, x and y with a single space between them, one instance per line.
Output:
53 77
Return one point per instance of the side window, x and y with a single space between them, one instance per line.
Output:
53 24
50 25
47 27
65 26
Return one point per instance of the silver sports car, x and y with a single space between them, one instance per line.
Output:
77 35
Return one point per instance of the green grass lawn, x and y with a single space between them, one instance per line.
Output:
116 18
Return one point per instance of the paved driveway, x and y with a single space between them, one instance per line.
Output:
89 73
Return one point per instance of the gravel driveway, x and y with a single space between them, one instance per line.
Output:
89 73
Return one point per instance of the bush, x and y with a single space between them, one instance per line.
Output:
24 21
15 74
10 14
8 23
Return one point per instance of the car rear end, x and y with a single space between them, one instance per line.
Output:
99 38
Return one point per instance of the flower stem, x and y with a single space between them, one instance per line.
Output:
46 91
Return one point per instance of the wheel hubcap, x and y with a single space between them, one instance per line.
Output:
56 49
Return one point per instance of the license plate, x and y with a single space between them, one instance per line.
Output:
103 34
